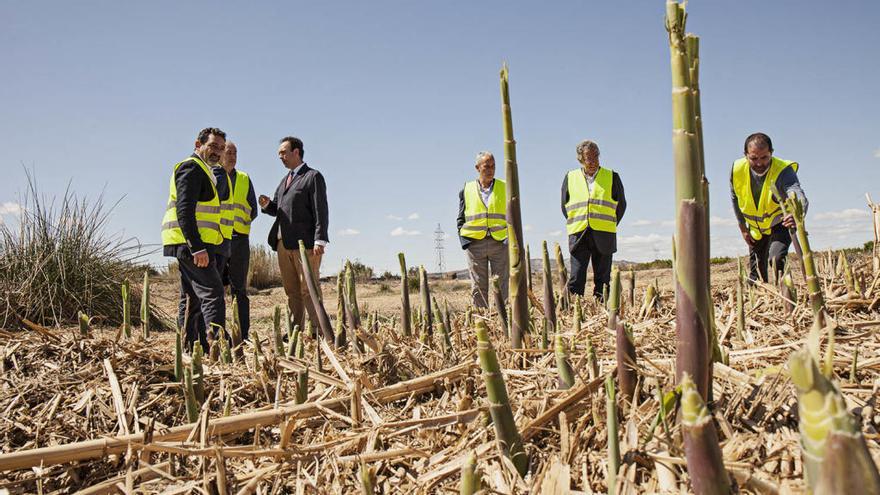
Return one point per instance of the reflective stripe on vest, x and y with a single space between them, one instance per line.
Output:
241 208
596 210
479 218
760 218
227 210
207 213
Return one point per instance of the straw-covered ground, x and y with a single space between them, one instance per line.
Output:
402 415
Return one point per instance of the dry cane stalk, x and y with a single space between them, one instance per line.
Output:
315 294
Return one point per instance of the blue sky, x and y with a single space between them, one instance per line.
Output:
394 99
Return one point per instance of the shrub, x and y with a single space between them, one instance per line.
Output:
59 260
362 272
263 272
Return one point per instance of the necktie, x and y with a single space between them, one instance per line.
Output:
289 180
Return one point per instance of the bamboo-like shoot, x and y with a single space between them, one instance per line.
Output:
519 297
563 365
506 432
613 438
405 318
549 299
145 306
126 309
702 451
627 374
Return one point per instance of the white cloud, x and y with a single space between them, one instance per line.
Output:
643 240
393 217
641 223
399 231
413 216
667 223
348 232
555 233
527 228
10 208
722 221
847 214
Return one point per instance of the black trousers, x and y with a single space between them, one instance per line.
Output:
203 289
582 253
236 273
770 249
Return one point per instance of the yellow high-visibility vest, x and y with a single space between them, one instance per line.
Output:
481 219
241 208
761 217
596 210
227 211
207 213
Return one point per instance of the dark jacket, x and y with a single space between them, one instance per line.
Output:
192 186
606 242
300 210
459 221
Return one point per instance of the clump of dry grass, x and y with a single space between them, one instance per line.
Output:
58 259
263 272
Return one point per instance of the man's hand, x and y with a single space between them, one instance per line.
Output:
748 238
788 221
263 200
318 250
201 259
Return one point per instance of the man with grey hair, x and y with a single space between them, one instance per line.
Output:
593 203
482 229
244 209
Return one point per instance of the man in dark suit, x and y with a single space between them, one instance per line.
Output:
301 213
593 203
191 234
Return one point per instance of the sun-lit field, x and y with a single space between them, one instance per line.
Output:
403 412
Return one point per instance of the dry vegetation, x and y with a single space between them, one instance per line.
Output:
417 410
444 404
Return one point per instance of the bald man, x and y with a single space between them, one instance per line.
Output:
244 204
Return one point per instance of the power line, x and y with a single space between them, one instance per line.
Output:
439 237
